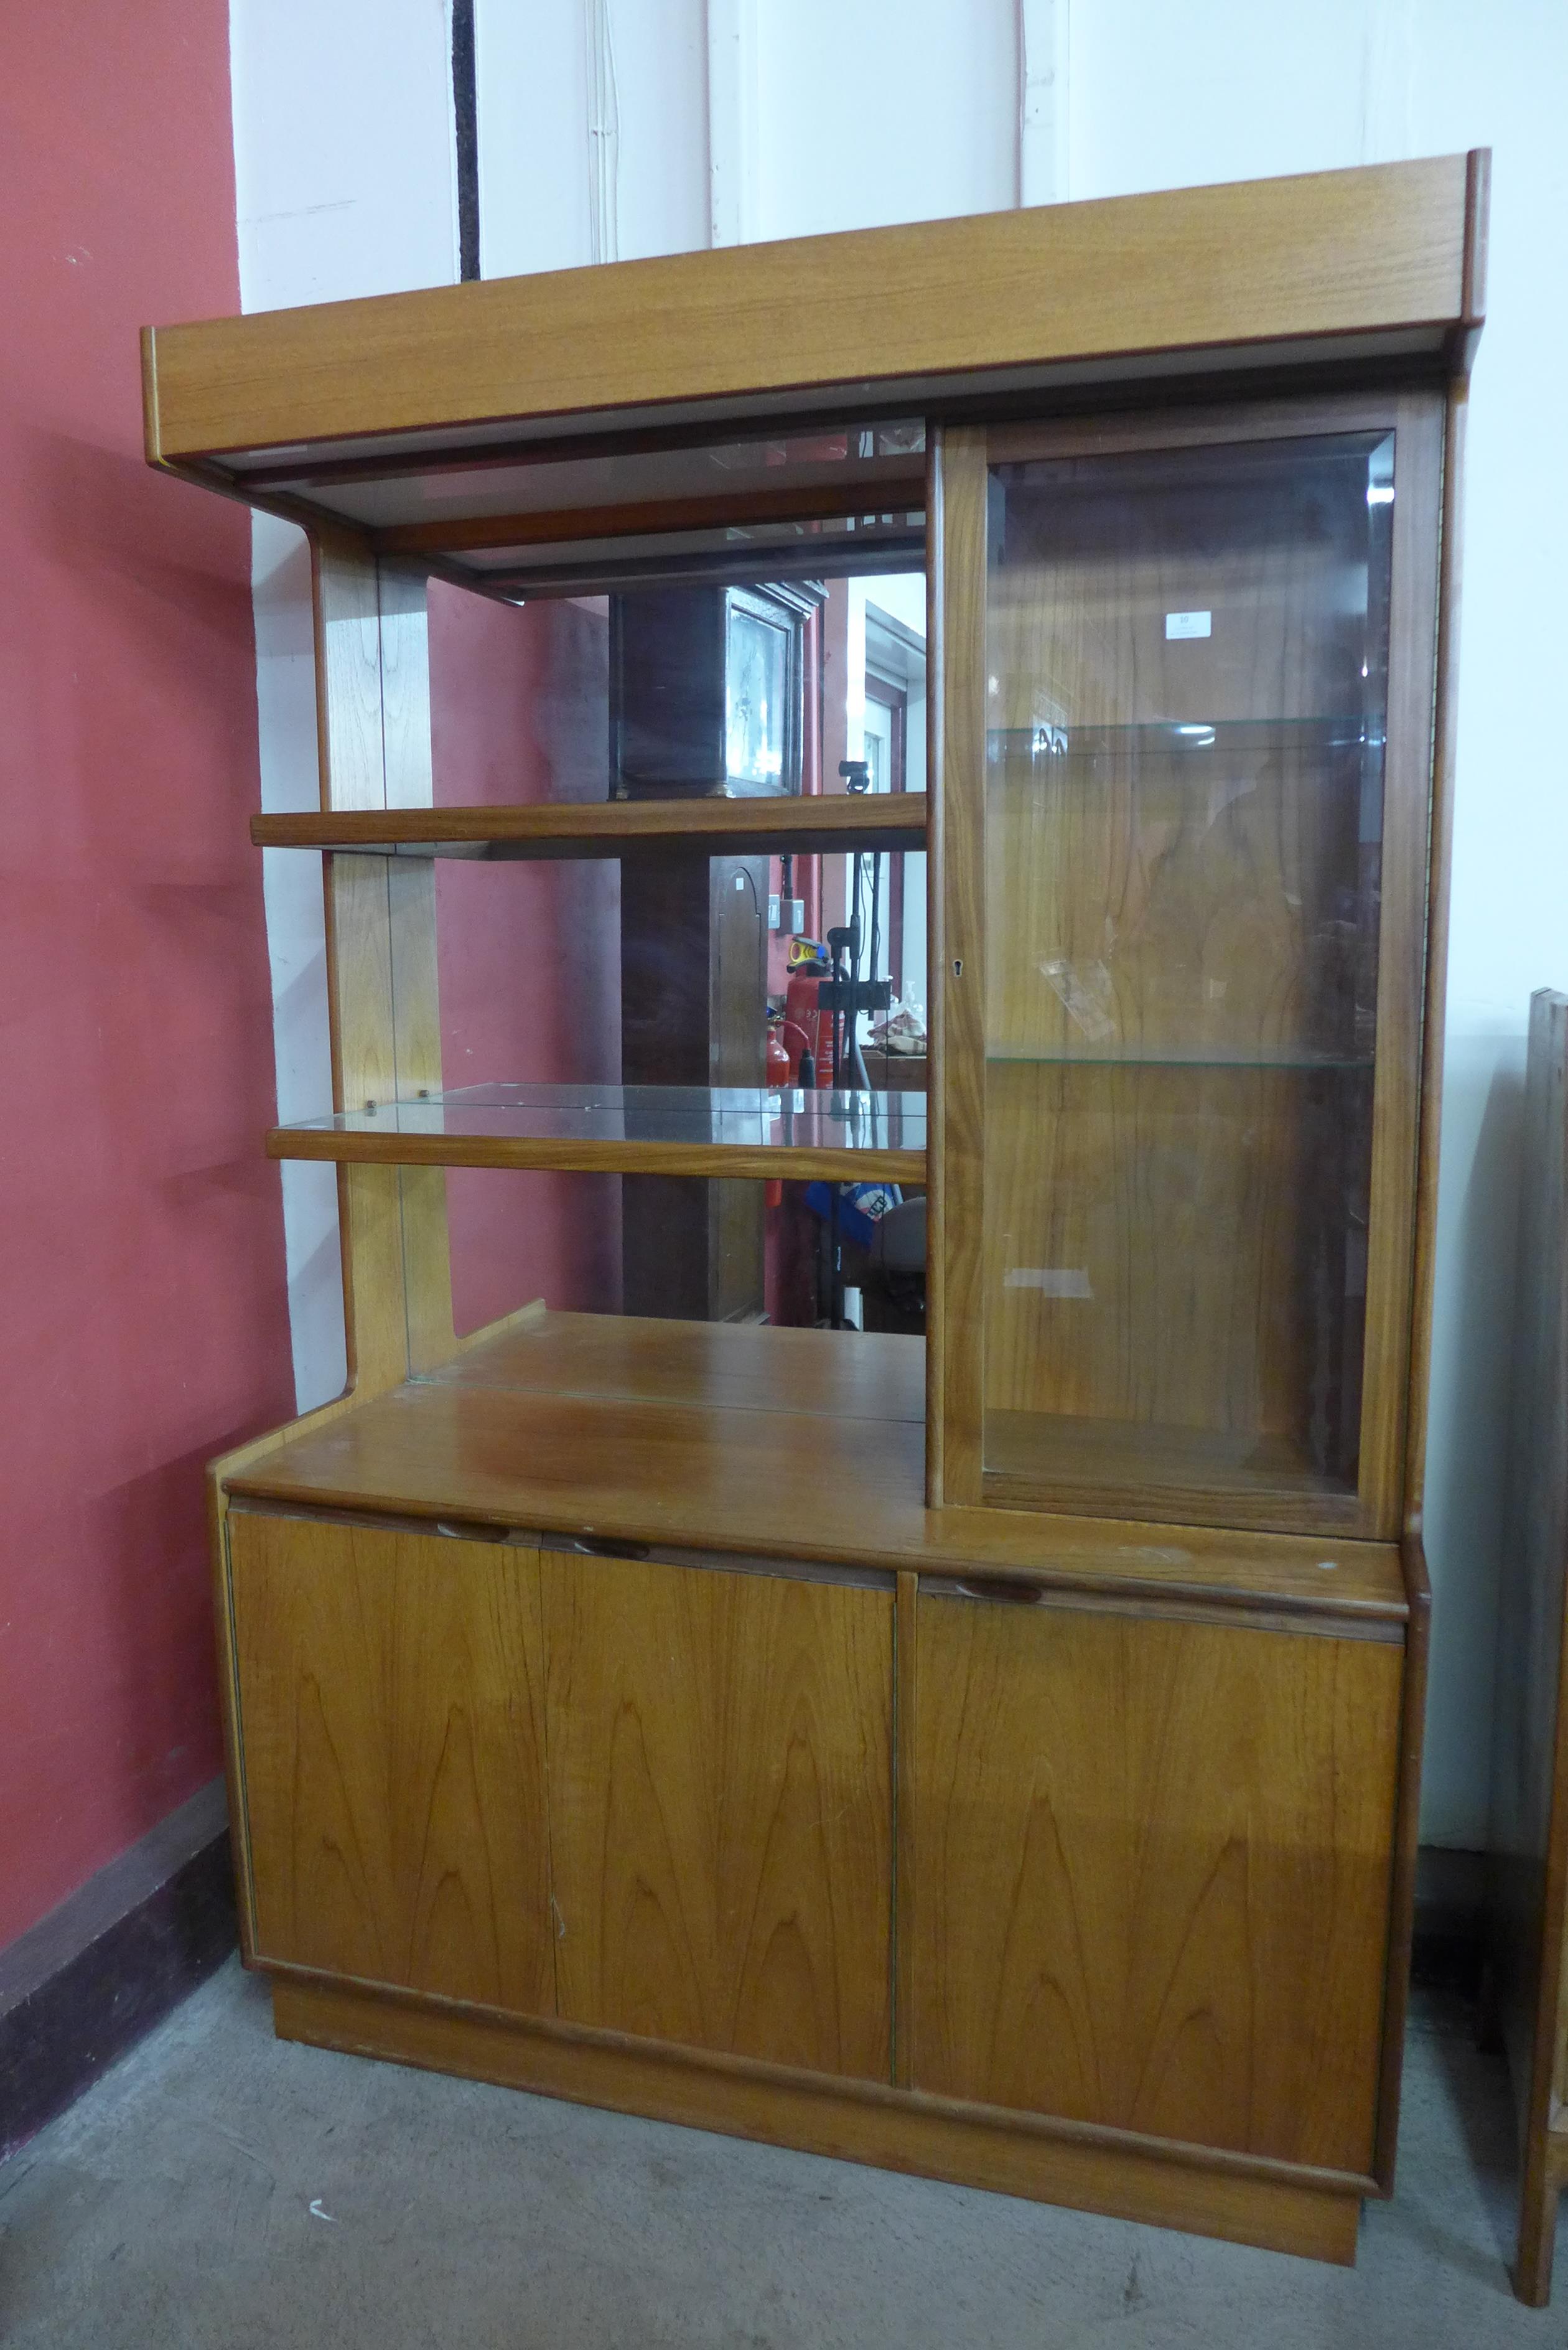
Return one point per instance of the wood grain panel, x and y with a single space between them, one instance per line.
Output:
937 962
790 1162
1407 1846
1445 746
608 1456
1411 884
956 1177
391 1708
1287 2211
820 823
721 1809
218 1474
1335 254
1152 1875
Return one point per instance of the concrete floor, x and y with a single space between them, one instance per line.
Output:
221 2190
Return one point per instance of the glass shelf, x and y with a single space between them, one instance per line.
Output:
664 1129
1169 738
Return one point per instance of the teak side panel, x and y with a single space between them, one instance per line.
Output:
244 1456
1410 875
1152 1865
1331 254
390 1700
721 1809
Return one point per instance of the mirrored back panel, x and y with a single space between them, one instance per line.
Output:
491 1251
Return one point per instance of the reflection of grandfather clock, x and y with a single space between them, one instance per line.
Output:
706 691
707 699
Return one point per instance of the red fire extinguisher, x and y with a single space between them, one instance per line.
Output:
788 1044
803 1013
808 967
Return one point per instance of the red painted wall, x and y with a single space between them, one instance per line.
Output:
528 955
145 1322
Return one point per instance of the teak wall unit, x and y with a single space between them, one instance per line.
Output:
997 1757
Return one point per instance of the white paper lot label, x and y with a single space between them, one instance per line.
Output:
1187 624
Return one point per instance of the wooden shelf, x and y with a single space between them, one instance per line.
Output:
749 1439
799 1136
1038 1460
818 825
1201 1059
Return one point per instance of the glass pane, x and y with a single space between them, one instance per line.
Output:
1187 657
757 689
698 1117
883 461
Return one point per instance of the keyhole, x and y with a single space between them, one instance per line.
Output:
958 966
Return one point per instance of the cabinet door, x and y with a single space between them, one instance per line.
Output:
721 1808
1151 1870
1185 795
390 1702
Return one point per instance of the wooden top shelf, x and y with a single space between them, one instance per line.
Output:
803 1444
1381 260
818 824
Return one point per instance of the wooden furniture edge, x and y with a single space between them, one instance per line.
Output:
892 307
1435 1004
1542 2149
905 1602
1196 1600
936 963
1478 225
1402 1881
608 827
1544 2176
1334 1517
787 1162
1400 1107
219 1470
1243 2199
955 1277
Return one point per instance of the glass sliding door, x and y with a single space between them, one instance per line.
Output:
1184 868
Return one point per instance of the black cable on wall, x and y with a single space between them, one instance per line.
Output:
465 120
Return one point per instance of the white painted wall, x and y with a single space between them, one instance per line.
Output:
344 185
726 118
535 174
1221 89
868 114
